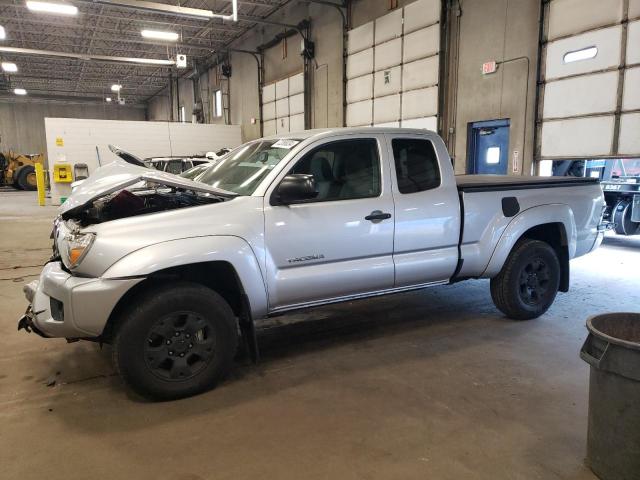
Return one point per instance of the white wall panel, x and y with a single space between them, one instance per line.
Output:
269 93
198 138
429 123
630 134
282 89
81 137
282 125
360 113
581 95
269 128
388 27
573 16
419 74
388 54
360 88
387 81
360 63
296 123
607 42
269 111
296 104
360 38
421 43
388 125
577 137
420 103
386 109
631 95
633 43
634 9
282 107
420 14
296 84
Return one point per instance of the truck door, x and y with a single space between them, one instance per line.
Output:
339 244
427 212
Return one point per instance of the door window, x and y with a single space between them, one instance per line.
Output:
416 165
174 166
343 170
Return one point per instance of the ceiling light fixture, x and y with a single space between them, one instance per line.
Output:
108 99
115 87
3 34
19 91
160 35
174 9
56 8
9 67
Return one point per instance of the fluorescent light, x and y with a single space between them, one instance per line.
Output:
582 54
108 99
234 7
115 87
160 35
9 67
3 34
58 8
19 91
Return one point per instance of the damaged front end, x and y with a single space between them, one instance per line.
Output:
121 190
131 202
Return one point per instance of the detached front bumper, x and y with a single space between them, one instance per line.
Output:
63 305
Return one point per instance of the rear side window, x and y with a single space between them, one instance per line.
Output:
417 167
174 166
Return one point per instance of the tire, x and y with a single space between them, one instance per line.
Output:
175 341
529 280
622 219
26 178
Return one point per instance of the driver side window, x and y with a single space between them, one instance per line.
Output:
343 170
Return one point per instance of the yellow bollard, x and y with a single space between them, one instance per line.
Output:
40 183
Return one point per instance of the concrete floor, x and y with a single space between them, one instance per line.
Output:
433 384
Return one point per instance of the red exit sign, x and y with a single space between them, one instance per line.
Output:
489 67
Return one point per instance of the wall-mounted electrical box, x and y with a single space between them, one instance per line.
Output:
62 173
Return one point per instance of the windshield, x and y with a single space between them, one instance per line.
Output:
242 170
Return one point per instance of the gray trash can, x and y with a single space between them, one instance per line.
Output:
613 439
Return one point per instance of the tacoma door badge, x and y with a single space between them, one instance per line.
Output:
306 258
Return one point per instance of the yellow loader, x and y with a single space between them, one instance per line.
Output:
19 170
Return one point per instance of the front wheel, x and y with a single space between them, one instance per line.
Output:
528 283
175 341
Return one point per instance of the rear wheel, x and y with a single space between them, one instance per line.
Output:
528 283
26 177
177 341
622 219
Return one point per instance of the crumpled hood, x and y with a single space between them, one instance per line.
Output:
119 174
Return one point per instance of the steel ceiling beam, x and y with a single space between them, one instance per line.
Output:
86 56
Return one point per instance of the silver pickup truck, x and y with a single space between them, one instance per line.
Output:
176 273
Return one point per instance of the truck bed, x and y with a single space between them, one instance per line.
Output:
493 183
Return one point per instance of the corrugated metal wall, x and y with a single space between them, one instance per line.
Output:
591 72
393 68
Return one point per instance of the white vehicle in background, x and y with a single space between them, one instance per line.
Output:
175 273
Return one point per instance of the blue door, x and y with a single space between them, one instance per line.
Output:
488 147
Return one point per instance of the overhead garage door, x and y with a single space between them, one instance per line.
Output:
283 106
591 89
393 68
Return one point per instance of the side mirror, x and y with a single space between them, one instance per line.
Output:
296 187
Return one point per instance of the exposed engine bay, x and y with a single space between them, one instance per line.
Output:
132 202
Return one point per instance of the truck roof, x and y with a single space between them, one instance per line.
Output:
319 132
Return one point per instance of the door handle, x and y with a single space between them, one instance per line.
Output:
377 216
